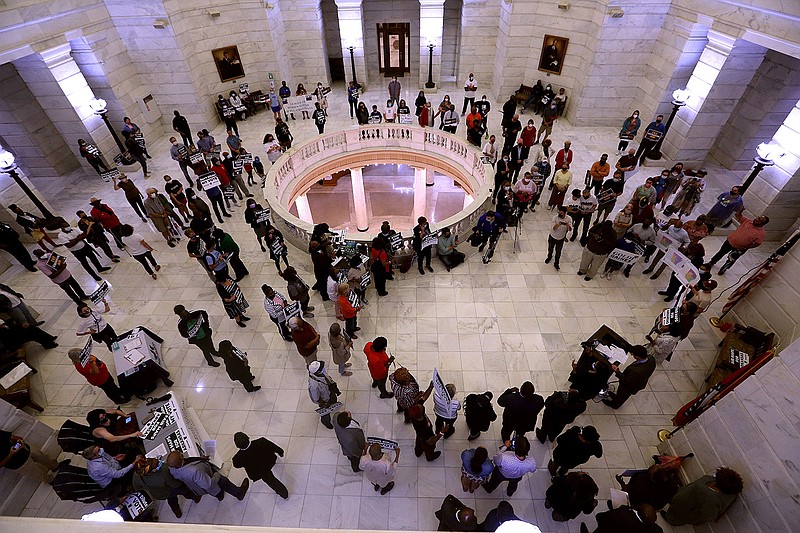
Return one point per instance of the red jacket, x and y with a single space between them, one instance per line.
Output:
94 379
220 171
105 216
560 158
348 311
377 362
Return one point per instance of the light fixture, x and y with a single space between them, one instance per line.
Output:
98 105
213 13
768 153
6 160
9 166
160 23
681 96
616 12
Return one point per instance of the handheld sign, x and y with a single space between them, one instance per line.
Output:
110 175
278 248
366 279
92 149
439 388
405 118
374 120
238 165
97 296
56 261
246 158
342 278
229 192
291 310
208 180
86 352
386 444
228 112
240 354
244 87
606 196
429 240
664 242
352 297
139 138
263 215
196 157
183 152
322 411
670 316
396 241
622 256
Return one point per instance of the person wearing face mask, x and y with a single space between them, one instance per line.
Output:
93 324
587 204
607 197
549 116
451 119
672 183
528 135
517 156
175 191
561 182
444 107
390 111
322 99
728 204
490 151
470 89
394 89
160 210
511 129
76 243
501 174
652 134
484 106
599 172
504 199
558 234
95 234
629 130
523 191
251 217
132 194
178 152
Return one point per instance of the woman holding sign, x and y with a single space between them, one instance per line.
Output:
233 300
237 366
96 373
349 304
251 216
277 248
422 245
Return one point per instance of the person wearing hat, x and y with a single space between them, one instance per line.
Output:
305 337
60 276
201 477
634 378
154 477
96 373
196 327
322 390
237 366
258 457
576 446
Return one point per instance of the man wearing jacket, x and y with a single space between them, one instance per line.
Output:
634 378
351 438
602 240
196 327
522 407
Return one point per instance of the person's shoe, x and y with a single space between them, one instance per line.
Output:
227 215
39 323
245 484
245 318
547 260
481 247
447 268
357 328
250 195
115 259
144 219
308 315
383 294
178 513
241 324
384 396
429 268
376 487
473 437
421 271
557 267
328 425
353 336
32 269
552 468
387 488
158 267
584 529
348 365
668 299
346 373
310 308
171 244
580 273
65 462
608 403
104 269
435 456
213 363
647 271
154 276
722 271
573 238
148 156
587 278
654 276
221 495
263 249
663 293
626 273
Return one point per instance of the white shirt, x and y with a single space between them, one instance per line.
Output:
490 151
510 466
93 322
134 244
561 233
470 87
273 150
380 472
391 111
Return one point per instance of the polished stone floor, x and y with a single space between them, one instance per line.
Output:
483 326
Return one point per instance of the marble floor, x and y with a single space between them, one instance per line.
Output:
389 190
483 326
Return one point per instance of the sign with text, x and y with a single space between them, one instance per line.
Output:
396 240
208 180
278 248
352 297
366 279
405 118
97 296
298 104
322 411
624 257
684 270
139 138
238 165
263 215
386 444
669 316
246 158
291 310
110 175
229 192
429 240
86 352
196 157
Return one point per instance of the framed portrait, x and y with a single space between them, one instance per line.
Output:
553 51
229 64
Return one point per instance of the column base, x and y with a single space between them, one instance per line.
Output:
654 155
430 85
365 229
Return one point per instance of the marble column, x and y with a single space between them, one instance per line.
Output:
305 41
478 29
514 45
763 108
431 28
351 29
303 208
429 180
420 193
776 190
57 83
718 81
359 199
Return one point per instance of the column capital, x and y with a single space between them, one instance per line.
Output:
431 3
348 4
56 56
720 42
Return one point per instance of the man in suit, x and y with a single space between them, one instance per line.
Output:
522 406
502 513
455 516
478 413
560 409
351 438
203 477
633 378
642 520
517 159
257 458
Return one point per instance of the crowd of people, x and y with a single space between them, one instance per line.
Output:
589 213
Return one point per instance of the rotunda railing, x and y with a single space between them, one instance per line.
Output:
305 164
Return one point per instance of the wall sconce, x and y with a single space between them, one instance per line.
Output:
681 96
616 12
564 5
213 13
160 23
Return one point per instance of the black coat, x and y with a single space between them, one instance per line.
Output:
623 519
634 377
478 412
258 459
520 412
447 516
559 409
570 451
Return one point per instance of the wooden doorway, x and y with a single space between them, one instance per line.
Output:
394 49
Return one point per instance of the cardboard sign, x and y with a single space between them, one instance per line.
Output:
110 175
396 241
439 388
263 215
606 196
664 242
86 352
229 192
322 411
352 297
291 310
244 88
684 270
653 135
298 104
278 247
405 118
669 316
139 138
92 149
374 120
429 240
56 261
208 180
238 165
624 257
245 159
366 280
183 152
385 444
97 296
196 157
228 112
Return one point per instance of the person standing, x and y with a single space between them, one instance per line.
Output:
298 290
378 468
153 476
455 516
571 495
137 152
9 241
139 250
652 134
96 373
196 327
237 366
602 239
175 191
59 275
181 125
93 156
406 391
560 409
627 163
17 309
511 463
107 219
353 93
421 230
378 362
341 346
627 519
562 179
283 134
728 204
629 130
178 152
230 249
394 90
549 116
634 378
349 312
451 119
587 205
258 458
351 438
573 448
607 197
319 118
202 477
93 324
306 339
426 439
33 226
522 406
476 467
516 160
160 211
446 411
233 300
274 304
484 106
132 194
558 234
750 234
277 247
599 171
478 413
510 131
706 499
322 390
489 152
380 265
470 90
76 243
